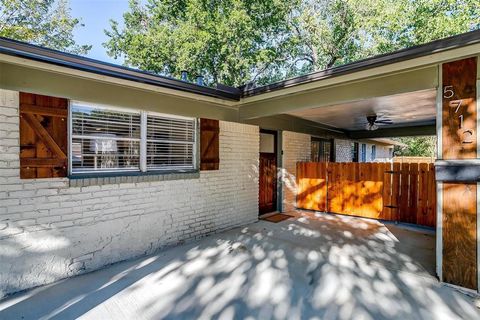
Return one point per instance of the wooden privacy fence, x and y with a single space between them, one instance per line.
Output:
403 192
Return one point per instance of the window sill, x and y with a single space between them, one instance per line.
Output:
95 179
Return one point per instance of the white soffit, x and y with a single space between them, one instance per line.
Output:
407 109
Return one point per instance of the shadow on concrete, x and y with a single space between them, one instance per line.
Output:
313 266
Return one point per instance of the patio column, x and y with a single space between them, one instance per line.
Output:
458 173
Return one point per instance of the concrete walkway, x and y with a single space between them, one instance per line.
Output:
316 266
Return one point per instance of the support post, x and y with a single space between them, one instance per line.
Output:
457 195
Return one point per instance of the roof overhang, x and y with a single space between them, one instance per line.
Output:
388 142
409 70
25 54
420 55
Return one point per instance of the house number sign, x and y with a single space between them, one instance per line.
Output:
459 116
459 201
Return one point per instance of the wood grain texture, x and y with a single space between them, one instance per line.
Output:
43 136
460 234
386 191
459 136
209 144
44 111
459 141
312 185
267 196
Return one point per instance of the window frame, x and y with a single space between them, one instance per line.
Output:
355 152
144 140
142 167
364 152
322 142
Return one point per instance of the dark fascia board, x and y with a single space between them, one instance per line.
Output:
450 43
37 53
457 170
422 130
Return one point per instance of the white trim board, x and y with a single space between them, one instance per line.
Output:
439 234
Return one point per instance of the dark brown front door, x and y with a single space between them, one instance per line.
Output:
268 172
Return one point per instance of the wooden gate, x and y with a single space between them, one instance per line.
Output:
394 192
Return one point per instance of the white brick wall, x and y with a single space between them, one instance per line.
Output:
49 230
296 147
343 150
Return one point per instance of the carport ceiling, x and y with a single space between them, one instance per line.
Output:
404 110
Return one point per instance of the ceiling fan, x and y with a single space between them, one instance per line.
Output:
373 120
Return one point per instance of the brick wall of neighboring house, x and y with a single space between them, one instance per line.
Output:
51 230
343 150
296 147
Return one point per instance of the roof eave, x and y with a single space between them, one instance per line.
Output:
41 54
445 44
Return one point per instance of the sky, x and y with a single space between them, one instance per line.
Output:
95 14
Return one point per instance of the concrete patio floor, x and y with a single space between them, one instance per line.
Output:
314 266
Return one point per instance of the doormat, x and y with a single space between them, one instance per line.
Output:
275 218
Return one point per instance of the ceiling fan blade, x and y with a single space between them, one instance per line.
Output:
384 121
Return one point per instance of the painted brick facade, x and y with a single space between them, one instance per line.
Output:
50 230
343 150
296 147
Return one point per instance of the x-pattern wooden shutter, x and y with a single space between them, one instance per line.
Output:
209 144
43 136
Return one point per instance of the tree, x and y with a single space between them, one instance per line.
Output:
46 23
239 41
334 32
229 41
328 33
405 23
417 146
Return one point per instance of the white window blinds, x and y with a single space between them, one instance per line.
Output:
170 142
108 140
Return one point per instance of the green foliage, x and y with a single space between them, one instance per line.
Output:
405 23
229 41
416 146
43 22
239 41
335 32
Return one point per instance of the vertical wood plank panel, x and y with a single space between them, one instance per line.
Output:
460 230
371 190
404 192
422 194
459 141
209 144
387 192
459 138
413 188
396 191
312 186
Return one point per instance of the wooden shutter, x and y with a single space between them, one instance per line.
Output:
209 144
43 136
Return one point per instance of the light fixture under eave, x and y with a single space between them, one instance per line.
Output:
371 127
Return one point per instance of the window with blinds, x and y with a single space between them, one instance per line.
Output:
105 139
170 142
